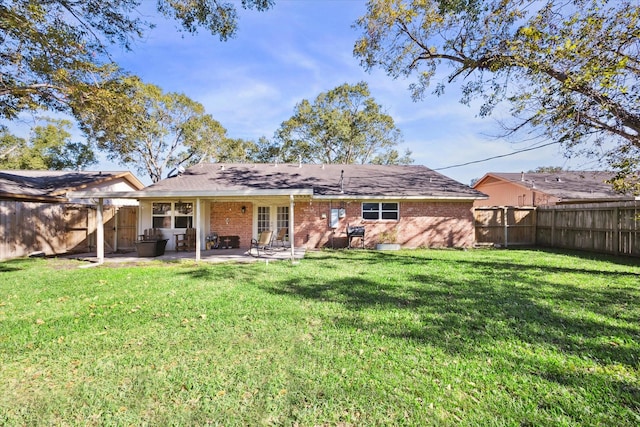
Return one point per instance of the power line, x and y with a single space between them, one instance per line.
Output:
497 157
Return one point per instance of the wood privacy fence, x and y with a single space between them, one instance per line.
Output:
599 227
59 228
505 226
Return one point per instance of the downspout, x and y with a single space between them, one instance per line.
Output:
198 229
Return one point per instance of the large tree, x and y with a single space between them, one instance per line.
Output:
342 125
49 147
54 54
570 69
159 131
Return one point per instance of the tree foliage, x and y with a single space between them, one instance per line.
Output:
54 54
343 125
158 132
49 147
547 169
569 69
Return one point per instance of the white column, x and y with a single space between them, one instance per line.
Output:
198 229
100 232
291 227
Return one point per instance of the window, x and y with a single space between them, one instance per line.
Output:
377 211
183 217
180 214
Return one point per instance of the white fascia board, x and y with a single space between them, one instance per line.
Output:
417 198
103 194
185 194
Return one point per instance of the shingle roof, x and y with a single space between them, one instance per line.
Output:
51 185
324 180
565 185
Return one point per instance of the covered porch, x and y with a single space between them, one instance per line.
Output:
231 216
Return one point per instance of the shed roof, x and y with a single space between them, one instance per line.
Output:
39 185
331 181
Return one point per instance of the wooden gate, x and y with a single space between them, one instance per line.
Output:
506 226
119 228
125 228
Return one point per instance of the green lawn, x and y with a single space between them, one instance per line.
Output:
426 337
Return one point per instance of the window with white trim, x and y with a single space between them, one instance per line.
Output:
172 215
381 211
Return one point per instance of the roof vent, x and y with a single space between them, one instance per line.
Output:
522 176
558 179
221 167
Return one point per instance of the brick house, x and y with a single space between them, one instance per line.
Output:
315 203
543 189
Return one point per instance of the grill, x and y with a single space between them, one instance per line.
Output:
356 232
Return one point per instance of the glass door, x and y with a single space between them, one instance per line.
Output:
272 218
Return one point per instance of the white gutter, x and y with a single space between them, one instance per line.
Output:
247 193
374 197
185 194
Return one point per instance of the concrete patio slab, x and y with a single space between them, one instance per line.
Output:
211 256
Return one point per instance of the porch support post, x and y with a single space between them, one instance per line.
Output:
291 227
198 229
100 232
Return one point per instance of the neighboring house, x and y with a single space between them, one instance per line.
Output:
315 203
542 189
37 216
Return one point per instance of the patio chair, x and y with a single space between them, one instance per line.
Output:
262 242
151 234
282 233
186 241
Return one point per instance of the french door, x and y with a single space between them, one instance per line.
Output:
272 218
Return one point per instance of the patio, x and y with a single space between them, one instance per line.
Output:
212 256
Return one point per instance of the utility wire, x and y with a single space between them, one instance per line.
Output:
497 157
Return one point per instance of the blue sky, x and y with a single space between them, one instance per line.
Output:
298 49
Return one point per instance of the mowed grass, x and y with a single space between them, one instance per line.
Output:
425 337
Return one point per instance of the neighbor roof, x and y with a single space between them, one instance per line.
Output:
565 185
328 181
36 185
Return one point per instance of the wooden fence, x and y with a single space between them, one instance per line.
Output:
505 226
59 228
599 227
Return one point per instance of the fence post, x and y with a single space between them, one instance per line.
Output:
506 229
553 228
616 231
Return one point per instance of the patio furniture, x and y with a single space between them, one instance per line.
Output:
282 233
186 241
228 242
151 243
262 242
212 241
151 234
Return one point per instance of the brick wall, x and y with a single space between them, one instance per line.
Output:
227 219
421 224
